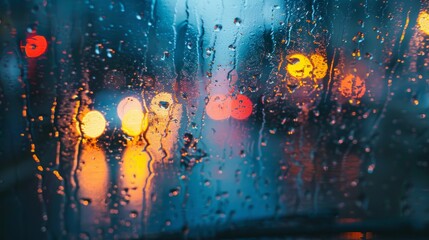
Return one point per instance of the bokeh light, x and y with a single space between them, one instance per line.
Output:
320 66
127 104
423 22
352 86
93 124
134 122
299 66
36 46
241 107
219 107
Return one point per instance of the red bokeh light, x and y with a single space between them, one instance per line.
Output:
36 46
241 107
221 107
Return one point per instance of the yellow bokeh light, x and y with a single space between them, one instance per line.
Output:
423 22
299 66
127 104
320 66
93 124
134 122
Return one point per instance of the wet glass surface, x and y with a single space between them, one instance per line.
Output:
214 119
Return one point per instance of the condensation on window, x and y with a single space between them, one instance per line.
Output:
213 119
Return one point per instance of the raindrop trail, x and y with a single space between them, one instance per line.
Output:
261 130
200 43
76 162
273 40
366 9
272 30
289 27
152 9
200 52
121 5
170 113
81 104
407 21
178 41
187 10
313 12
235 54
213 48
148 29
29 124
174 27
394 61
331 72
201 63
211 69
144 211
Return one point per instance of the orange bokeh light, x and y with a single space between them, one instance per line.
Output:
241 107
36 46
352 86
